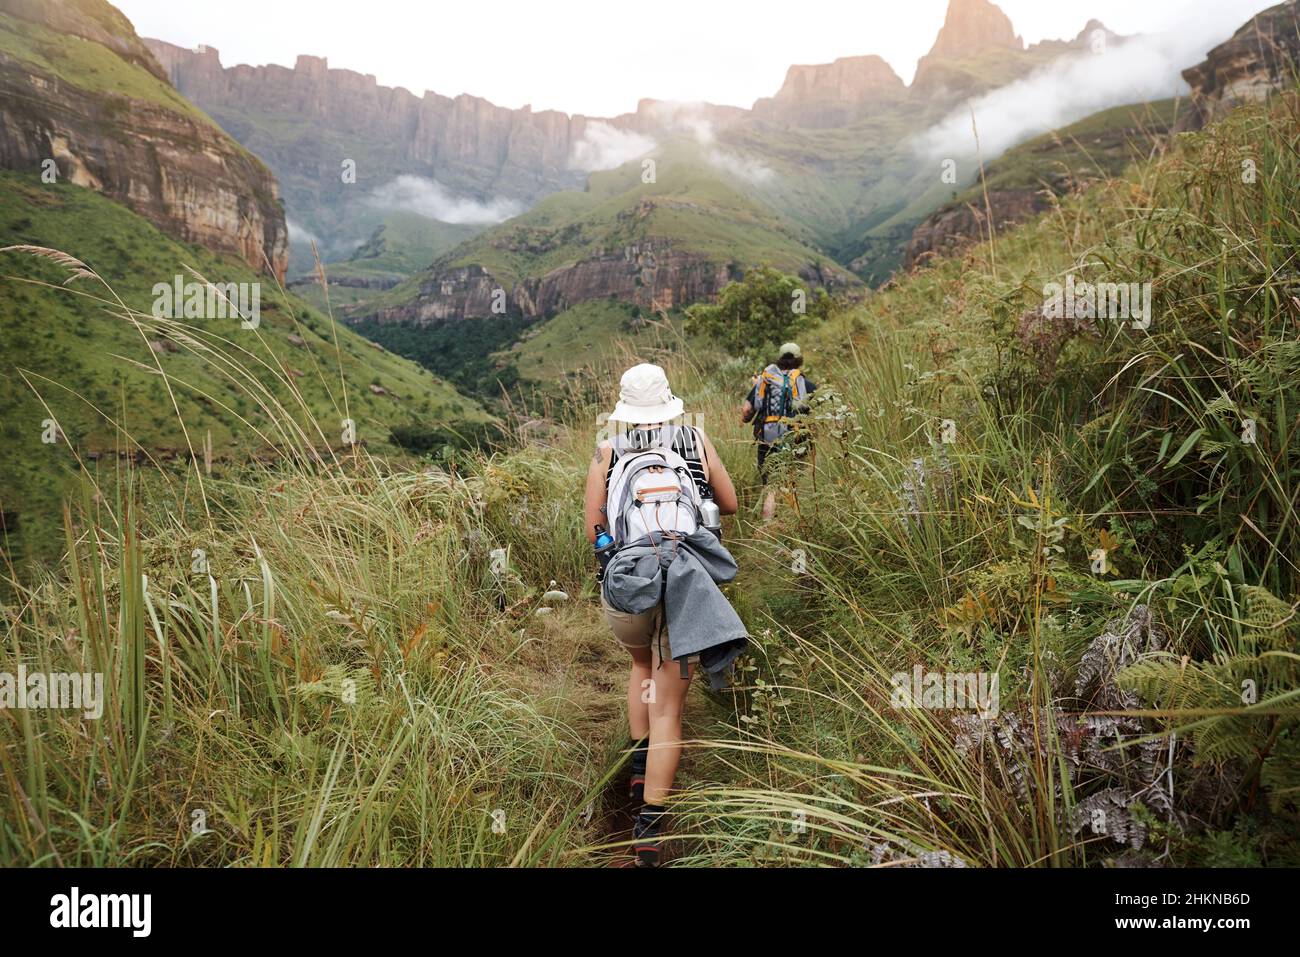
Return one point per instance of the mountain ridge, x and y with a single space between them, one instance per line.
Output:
96 105
489 154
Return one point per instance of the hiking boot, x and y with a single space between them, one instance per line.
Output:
646 843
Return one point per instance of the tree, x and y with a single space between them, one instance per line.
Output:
759 313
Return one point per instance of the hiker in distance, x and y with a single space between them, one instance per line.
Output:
779 393
655 493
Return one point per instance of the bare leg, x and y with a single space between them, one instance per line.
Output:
638 694
666 703
769 505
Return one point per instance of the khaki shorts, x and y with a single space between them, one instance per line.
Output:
639 631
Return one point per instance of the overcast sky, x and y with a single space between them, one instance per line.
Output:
600 56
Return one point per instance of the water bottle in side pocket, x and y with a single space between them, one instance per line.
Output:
604 549
711 517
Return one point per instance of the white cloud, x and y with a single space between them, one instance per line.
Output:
1140 69
429 198
607 147
299 234
689 118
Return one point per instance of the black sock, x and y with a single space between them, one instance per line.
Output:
647 821
640 751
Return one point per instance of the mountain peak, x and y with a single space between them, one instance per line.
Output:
970 28
850 78
831 94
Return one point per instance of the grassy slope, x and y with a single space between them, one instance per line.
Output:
88 65
401 244
690 207
404 243
78 355
1096 147
861 188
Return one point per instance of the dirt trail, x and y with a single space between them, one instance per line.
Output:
581 672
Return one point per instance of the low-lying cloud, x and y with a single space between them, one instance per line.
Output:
429 198
603 146
743 167
299 234
331 250
690 118
1138 69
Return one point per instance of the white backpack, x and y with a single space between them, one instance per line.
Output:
651 492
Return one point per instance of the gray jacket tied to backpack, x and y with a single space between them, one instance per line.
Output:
683 573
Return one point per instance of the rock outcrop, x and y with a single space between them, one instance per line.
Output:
971 28
150 150
1261 58
958 225
650 275
832 94
1095 36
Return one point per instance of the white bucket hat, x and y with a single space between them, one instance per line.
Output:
644 397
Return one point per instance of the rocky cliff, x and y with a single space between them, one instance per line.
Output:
470 145
832 94
960 224
970 29
100 108
651 275
1261 58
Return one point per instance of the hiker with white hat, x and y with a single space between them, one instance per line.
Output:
654 486
778 395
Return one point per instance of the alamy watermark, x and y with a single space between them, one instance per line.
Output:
130 911
1121 301
209 300
57 690
946 690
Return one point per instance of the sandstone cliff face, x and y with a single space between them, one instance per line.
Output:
169 165
1260 59
956 226
970 28
470 145
832 94
973 26
651 275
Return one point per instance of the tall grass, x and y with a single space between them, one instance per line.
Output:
323 660
978 555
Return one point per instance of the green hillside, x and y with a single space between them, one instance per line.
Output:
94 371
86 65
402 243
691 206
1096 147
